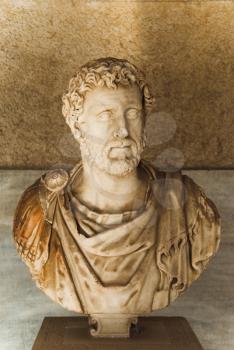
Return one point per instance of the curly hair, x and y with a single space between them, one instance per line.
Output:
110 72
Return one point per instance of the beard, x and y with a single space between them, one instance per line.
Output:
116 157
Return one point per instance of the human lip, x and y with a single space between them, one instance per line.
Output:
121 147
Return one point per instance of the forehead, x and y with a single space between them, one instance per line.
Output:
104 96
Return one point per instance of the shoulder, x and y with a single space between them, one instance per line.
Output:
203 224
197 202
28 205
34 210
168 188
28 223
31 204
177 190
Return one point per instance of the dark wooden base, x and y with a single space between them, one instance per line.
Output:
154 333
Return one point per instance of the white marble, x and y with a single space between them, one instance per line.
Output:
208 304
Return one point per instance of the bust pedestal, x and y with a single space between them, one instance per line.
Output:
151 333
112 325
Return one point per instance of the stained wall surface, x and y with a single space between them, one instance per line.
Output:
185 48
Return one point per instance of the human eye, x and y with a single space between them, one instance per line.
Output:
105 115
133 113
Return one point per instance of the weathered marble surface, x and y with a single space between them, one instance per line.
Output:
208 304
186 47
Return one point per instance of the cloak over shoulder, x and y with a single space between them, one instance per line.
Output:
133 262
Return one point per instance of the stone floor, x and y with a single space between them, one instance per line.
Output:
208 304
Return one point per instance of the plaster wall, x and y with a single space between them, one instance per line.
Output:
185 48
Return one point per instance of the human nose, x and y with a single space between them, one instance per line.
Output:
121 126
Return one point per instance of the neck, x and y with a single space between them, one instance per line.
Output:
102 182
108 193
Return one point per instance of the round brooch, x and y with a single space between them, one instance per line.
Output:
55 180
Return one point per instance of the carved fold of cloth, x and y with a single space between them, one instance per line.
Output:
132 262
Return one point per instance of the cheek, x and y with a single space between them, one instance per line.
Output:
136 130
98 133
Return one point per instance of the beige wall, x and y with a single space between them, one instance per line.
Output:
186 49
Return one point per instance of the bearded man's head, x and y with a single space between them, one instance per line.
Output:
106 106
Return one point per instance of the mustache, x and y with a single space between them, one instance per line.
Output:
119 143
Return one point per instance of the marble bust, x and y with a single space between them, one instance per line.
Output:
114 237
